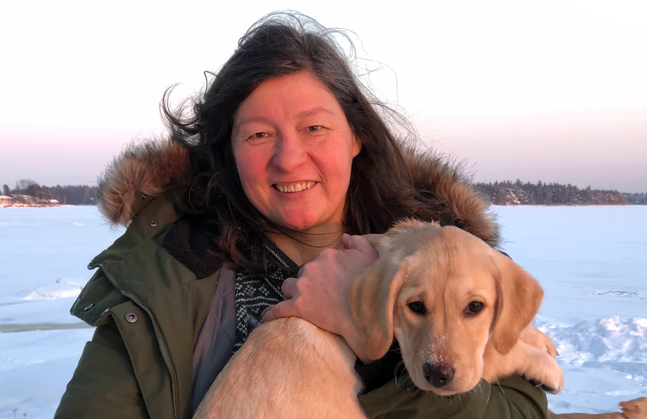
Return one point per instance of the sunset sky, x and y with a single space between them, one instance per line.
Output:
532 90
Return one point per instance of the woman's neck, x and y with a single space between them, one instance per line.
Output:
301 248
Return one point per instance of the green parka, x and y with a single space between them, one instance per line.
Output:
148 309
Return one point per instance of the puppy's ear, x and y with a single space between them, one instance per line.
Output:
373 302
518 298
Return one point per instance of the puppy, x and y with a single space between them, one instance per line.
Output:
459 309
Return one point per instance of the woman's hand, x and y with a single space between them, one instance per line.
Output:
321 292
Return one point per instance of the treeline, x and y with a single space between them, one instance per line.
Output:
636 198
28 191
499 193
74 194
518 193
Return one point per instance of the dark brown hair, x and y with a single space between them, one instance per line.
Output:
280 44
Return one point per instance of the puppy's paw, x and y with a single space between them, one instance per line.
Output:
544 372
635 409
535 337
546 387
542 386
554 382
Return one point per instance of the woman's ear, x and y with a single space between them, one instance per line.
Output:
357 146
373 301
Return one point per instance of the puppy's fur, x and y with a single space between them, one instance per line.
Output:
459 309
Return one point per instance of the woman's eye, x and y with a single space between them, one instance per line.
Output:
314 128
257 136
475 307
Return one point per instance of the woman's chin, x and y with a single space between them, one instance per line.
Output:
302 226
309 225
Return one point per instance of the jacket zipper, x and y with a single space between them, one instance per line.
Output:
158 333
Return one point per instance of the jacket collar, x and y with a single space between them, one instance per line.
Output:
147 169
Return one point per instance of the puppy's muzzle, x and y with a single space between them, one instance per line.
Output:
438 375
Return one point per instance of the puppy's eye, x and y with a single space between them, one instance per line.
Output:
418 307
475 307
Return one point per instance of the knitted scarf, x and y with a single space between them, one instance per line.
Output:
254 292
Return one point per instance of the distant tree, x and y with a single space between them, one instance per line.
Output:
588 195
6 191
22 185
38 191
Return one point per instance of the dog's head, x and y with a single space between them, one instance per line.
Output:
443 294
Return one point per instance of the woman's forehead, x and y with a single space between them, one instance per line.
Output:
298 95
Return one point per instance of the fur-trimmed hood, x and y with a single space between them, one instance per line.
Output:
150 168
147 168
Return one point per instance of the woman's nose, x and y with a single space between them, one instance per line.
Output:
289 152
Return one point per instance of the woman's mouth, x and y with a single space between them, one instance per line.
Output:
293 187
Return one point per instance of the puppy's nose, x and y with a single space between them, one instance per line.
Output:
439 375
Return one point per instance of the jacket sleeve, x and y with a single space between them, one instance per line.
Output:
103 384
511 398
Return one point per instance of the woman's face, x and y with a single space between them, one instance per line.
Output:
294 149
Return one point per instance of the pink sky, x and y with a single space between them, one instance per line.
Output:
550 91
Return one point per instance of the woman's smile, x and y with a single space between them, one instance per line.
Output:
293 187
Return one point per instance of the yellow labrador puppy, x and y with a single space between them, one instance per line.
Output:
459 309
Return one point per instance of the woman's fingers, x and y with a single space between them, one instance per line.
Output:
368 245
358 243
289 287
283 309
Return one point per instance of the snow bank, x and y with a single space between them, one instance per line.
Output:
603 340
63 288
610 344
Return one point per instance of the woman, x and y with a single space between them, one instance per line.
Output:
281 158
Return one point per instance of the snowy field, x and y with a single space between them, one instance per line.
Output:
591 261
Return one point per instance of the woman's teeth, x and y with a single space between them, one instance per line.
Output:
294 187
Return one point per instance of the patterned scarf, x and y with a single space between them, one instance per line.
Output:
254 292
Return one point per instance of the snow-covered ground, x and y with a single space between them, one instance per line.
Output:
591 261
